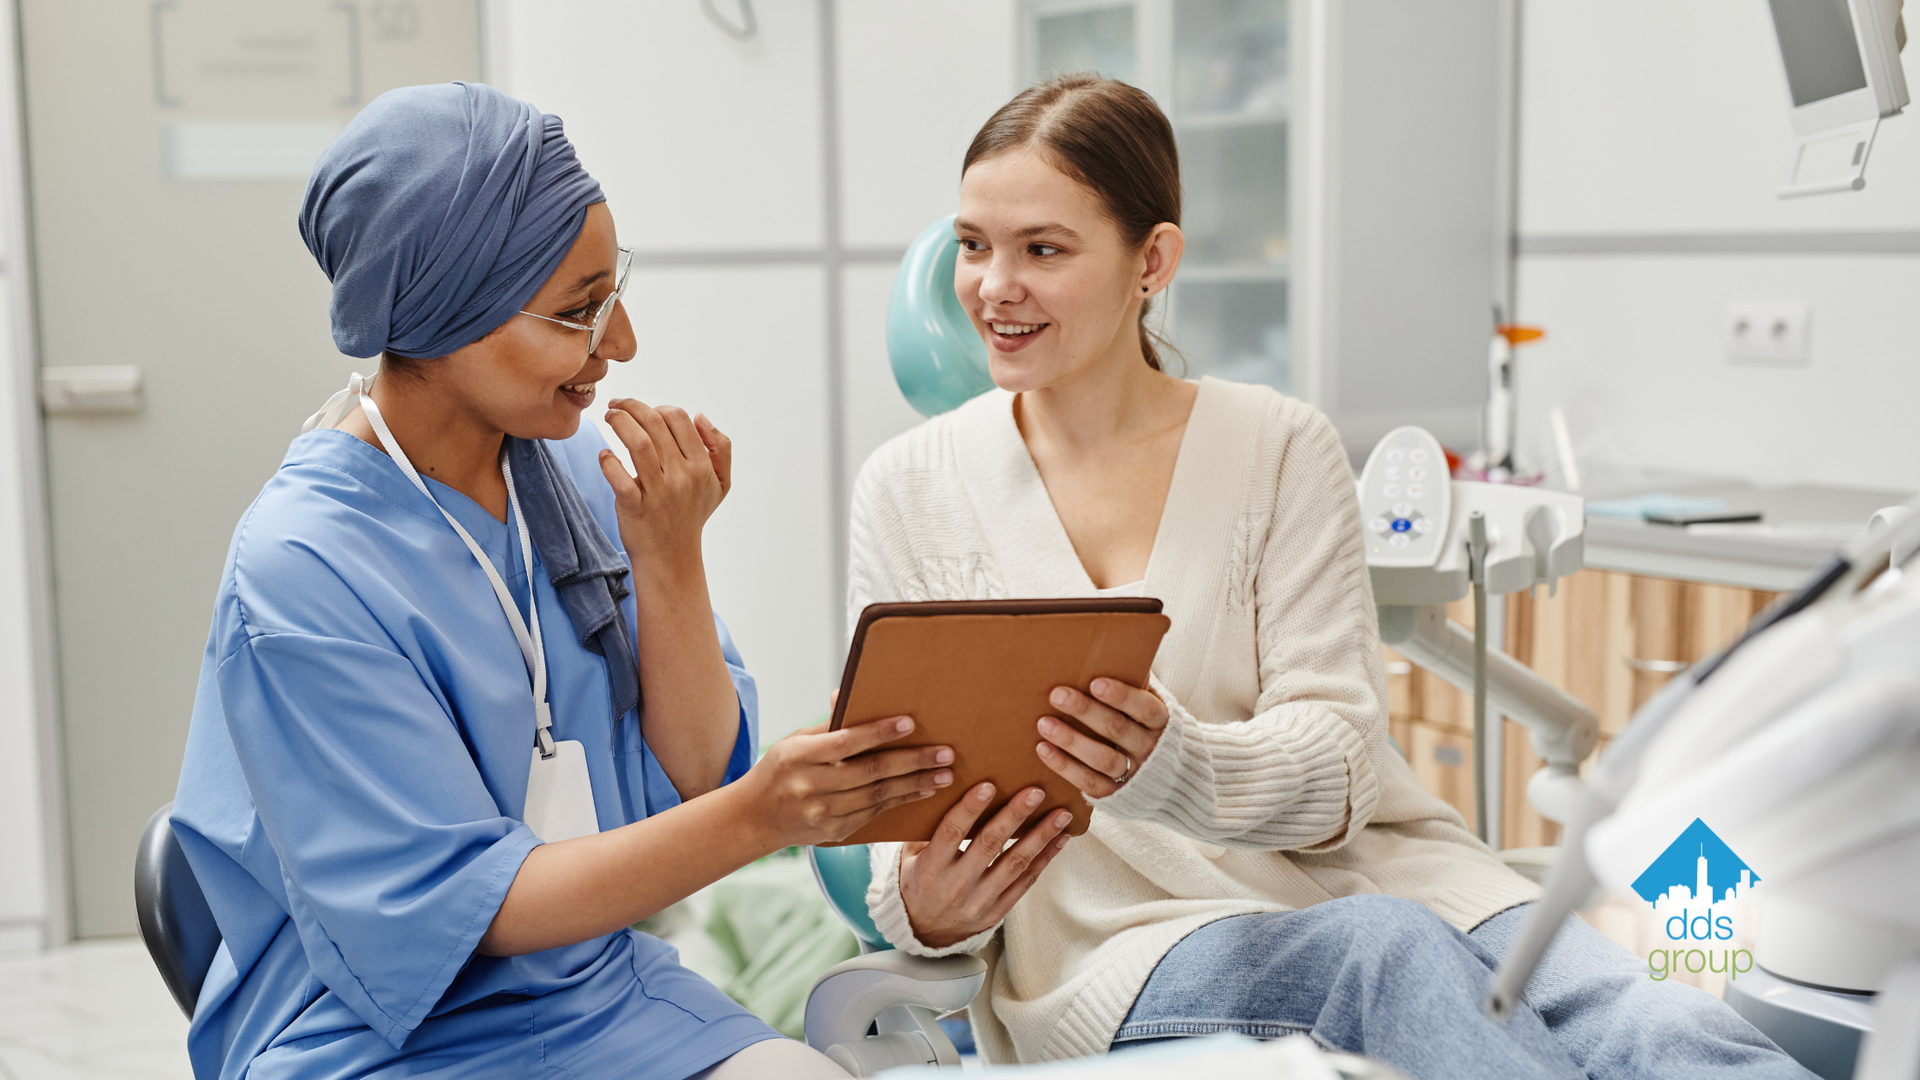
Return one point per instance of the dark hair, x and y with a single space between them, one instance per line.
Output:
1110 137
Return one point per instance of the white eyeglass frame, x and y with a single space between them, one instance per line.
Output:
597 329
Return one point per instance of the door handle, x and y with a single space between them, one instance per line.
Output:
114 388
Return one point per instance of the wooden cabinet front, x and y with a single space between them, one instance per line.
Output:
1611 640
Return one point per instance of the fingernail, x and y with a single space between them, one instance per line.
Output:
923 794
1048 724
943 778
904 724
1063 818
1044 749
943 756
1061 697
1102 686
1060 843
983 792
1033 798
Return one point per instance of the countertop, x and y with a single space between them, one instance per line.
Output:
1801 525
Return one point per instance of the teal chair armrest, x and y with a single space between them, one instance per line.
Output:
843 874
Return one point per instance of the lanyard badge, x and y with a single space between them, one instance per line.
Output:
559 791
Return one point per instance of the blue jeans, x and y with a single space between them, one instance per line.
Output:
1387 978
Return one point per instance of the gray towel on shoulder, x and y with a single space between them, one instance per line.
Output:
585 567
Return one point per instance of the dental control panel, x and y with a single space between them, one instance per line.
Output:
1405 495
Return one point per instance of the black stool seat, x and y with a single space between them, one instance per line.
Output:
175 921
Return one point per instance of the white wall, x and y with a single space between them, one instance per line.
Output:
917 81
23 856
29 892
1654 119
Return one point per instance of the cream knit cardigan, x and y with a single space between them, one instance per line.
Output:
1273 786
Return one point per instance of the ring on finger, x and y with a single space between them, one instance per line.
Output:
1124 773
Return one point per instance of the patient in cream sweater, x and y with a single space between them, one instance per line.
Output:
1259 859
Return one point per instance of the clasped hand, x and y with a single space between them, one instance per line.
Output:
683 468
952 893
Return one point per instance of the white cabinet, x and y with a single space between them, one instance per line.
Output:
1345 170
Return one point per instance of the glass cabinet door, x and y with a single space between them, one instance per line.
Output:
1220 70
1100 37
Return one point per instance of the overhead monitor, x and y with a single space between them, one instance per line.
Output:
1842 59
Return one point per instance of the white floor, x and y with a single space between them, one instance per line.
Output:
98 1010
94 1011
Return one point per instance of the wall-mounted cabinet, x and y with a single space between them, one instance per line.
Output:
1345 239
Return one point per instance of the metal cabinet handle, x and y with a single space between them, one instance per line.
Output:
1659 667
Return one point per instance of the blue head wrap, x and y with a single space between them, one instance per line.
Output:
438 213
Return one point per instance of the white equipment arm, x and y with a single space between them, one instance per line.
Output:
1563 730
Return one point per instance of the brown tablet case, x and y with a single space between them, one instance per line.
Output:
975 675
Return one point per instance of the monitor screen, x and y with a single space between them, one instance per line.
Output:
1816 41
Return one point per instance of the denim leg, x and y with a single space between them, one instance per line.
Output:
1617 1023
1373 975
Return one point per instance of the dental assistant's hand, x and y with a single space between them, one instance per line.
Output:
816 786
1129 719
950 894
683 467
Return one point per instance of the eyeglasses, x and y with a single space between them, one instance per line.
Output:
597 329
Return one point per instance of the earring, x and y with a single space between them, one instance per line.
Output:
1143 288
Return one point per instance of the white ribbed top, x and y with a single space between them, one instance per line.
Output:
1272 787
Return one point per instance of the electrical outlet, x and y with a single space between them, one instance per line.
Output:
1769 332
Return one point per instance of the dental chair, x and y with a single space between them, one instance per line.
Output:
1801 741
1429 542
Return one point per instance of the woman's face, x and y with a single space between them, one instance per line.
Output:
533 378
1050 284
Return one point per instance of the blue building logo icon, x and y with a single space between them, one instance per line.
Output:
1698 867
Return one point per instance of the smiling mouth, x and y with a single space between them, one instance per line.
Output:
1016 329
579 388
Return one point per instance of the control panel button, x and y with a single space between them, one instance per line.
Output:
1399 540
1401 525
1397 456
1416 457
1393 472
1415 473
1423 526
1414 491
1391 491
1402 510
1379 525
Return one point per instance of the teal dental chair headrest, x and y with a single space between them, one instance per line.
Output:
938 359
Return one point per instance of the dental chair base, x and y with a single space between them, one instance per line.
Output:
898 997
1821 1029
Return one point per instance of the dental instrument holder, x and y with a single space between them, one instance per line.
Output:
1525 537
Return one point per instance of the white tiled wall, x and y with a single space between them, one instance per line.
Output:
916 81
702 143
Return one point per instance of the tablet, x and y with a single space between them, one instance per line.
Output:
975 675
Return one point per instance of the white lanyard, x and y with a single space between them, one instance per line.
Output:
532 648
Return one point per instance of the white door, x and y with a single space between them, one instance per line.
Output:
168 146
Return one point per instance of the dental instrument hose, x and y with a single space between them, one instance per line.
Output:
1477 570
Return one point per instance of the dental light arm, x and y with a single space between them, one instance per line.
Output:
1418 528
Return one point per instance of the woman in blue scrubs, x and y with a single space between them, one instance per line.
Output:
455 624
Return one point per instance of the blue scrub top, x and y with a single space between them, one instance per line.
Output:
353 783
